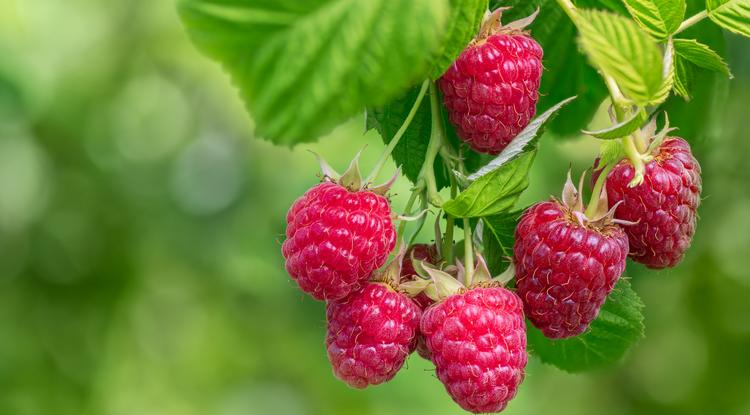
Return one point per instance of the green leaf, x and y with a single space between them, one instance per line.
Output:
495 192
519 142
623 51
700 55
683 77
733 15
617 328
660 18
622 128
465 18
302 67
499 237
566 71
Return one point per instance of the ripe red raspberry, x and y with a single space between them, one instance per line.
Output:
664 206
370 334
477 339
336 238
565 269
491 90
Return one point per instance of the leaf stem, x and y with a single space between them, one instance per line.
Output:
691 21
397 137
450 224
635 159
468 253
593 205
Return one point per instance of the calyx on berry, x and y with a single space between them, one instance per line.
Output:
492 25
438 284
351 179
572 200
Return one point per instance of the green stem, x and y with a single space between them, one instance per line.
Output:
619 102
569 8
468 253
437 140
407 212
593 205
691 21
640 142
450 224
396 138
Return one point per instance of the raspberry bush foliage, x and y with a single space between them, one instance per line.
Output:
461 93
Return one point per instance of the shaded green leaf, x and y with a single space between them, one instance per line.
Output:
618 327
333 56
499 231
611 152
700 55
660 18
495 192
733 15
623 51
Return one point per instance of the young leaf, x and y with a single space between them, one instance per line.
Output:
733 15
463 24
683 77
700 55
519 143
623 51
621 129
495 192
617 328
660 18
611 152
302 67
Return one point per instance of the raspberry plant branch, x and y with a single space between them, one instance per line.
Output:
691 21
450 224
407 212
468 253
436 143
400 133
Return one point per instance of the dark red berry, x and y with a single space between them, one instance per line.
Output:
370 334
664 206
564 269
336 238
477 340
491 90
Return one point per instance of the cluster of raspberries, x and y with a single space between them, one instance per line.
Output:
566 264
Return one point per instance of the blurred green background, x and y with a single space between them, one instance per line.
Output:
140 229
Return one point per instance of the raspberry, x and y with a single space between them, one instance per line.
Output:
370 334
491 90
565 269
478 344
664 206
336 238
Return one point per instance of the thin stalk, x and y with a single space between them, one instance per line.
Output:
468 253
569 8
691 21
397 137
450 224
407 212
640 142
437 140
593 205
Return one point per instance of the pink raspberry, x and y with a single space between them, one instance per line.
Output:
370 334
477 340
336 238
565 269
664 206
491 90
